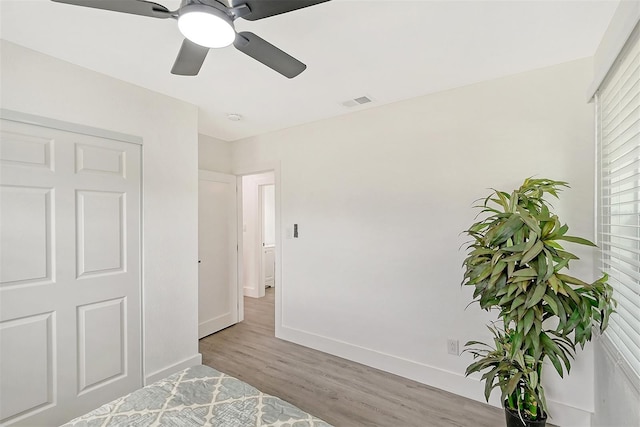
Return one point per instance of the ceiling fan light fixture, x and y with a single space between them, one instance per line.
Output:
206 26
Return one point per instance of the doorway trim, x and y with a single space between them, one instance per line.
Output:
261 233
252 229
16 116
252 170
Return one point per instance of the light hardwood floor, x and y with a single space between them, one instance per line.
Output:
341 392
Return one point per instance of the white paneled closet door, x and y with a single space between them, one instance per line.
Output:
70 311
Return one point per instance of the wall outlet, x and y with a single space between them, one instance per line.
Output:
453 347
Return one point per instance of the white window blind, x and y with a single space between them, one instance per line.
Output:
618 129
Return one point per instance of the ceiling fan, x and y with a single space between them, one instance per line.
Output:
209 24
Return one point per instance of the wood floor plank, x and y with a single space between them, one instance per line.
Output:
339 391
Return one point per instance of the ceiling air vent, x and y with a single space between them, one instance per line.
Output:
357 101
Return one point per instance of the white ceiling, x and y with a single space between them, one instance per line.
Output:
387 49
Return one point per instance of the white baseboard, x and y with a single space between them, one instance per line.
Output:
472 388
216 324
165 372
251 292
568 416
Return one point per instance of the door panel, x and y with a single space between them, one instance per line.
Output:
70 328
100 219
26 150
217 252
91 159
27 371
101 342
26 235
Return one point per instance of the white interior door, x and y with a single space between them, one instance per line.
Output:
269 266
217 253
268 227
70 328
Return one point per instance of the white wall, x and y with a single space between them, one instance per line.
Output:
251 237
41 85
381 197
214 154
617 399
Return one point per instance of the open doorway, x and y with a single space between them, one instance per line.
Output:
258 233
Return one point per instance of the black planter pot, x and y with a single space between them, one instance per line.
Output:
513 420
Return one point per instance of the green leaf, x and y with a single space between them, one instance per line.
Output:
488 386
562 264
486 272
572 280
556 364
517 302
469 343
512 288
532 253
481 251
555 283
525 272
550 269
533 379
572 294
528 321
518 337
511 267
521 279
565 359
575 239
507 230
513 201
552 304
563 230
565 254
533 237
529 220
542 399
505 299
553 244
496 257
547 227
535 340
503 200
573 321
515 248
560 230
537 295
497 270
541 263
513 383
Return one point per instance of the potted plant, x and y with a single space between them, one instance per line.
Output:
517 264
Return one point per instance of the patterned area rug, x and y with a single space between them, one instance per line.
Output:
198 396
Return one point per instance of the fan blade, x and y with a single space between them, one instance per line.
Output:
190 59
135 7
265 8
263 51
